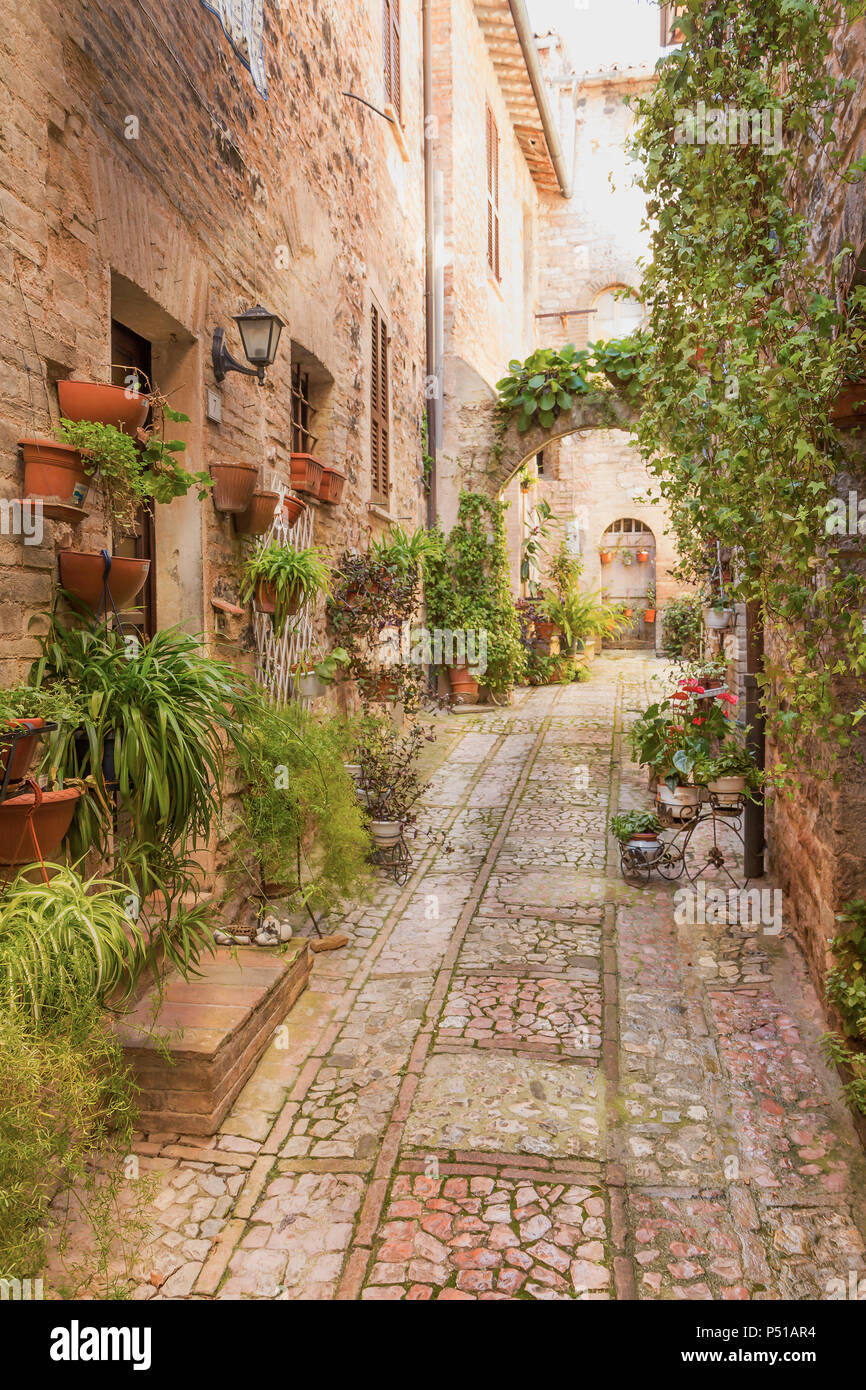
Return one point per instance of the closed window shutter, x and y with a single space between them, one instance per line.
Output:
379 401
391 53
492 194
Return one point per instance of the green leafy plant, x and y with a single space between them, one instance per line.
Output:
683 627
629 823
468 587
296 577
390 772
544 386
130 474
731 760
55 704
403 552
622 361
326 666
374 596
582 616
846 982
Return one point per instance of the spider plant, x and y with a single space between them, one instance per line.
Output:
294 576
403 552
171 709
65 941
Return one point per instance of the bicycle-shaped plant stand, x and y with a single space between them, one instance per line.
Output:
395 858
706 839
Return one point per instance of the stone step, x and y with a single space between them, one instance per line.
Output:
192 1051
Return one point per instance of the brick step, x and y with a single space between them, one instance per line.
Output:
192 1052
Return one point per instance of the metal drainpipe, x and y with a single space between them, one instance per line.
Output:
753 825
526 35
430 254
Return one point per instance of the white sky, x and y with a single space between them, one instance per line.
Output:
601 32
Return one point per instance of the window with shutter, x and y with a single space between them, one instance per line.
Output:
391 53
492 194
380 462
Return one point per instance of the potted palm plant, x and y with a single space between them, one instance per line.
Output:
282 578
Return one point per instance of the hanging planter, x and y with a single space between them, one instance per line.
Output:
103 405
306 474
282 578
627 558
35 823
606 557
628 612
293 507
332 484
55 471
717 619
642 557
99 580
107 763
311 686
649 615
259 515
463 686
233 485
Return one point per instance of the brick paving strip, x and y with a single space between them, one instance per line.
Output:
522 1079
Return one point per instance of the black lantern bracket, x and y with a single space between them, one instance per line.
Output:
223 362
260 334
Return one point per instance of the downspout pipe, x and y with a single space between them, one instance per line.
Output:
526 35
431 396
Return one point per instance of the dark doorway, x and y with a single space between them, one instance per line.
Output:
132 353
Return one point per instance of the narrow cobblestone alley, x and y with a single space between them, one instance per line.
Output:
522 1079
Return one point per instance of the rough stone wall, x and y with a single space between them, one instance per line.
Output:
486 322
306 201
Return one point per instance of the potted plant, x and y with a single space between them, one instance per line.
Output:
390 779
639 831
464 686
675 790
650 610
315 673
627 612
123 407
306 474
849 408
233 486
293 507
606 557
54 472
282 578
717 617
100 580
627 557
35 823
29 714
729 774
642 556
259 515
332 484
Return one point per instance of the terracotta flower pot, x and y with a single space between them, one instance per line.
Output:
233 485
45 815
83 575
642 557
22 751
332 484
462 684
628 612
545 630
103 405
53 470
259 515
266 599
386 688
293 508
607 557
649 615
849 408
306 474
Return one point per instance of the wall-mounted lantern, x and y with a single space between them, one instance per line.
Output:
260 335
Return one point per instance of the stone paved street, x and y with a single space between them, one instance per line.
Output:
522 1079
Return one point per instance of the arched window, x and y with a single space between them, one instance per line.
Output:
627 526
615 317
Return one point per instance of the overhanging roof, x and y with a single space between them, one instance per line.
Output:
525 95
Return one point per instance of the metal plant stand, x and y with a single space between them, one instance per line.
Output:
396 859
706 841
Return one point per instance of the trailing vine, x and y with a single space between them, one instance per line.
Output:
750 342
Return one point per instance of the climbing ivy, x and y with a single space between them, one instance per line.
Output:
751 341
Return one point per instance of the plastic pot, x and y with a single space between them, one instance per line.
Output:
53 470
606 557
355 771
45 815
332 484
385 833
82 757
306 474
85 575
103 405
463 685
311 686
233 485
259 515
642 557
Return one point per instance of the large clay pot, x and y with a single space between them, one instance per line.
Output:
47 815
463 686
233 485
306 474
259 515
332 484
544 630
83 574
22 751
103 405
53 470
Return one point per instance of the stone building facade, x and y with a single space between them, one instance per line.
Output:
163 170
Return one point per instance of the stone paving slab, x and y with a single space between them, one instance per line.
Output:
552 1016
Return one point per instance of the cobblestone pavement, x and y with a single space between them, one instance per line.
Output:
522 1078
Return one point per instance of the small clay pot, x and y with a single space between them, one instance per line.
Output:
53 470
259 515
266 599
233 485
293 508
103 405
82 574
45 815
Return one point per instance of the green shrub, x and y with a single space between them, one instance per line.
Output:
683 627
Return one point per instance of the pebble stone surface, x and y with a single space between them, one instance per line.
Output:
521 1078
